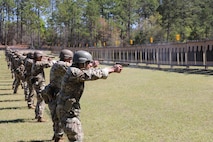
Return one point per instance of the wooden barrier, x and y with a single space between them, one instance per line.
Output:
193 53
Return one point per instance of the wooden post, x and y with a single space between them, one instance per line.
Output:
204 57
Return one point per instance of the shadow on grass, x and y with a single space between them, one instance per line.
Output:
36 141
6 89
4 94
5 84
13 121
20 120
9 108
7 81
1 101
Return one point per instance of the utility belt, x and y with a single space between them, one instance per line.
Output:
49 93
34 80
27 75
72 107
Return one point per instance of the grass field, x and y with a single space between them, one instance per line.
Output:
138 105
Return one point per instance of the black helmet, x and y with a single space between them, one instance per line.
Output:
82 57
65 54
38 54
30 55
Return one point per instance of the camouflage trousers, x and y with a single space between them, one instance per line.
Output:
16 83
29 91
70 123
40 105
58 131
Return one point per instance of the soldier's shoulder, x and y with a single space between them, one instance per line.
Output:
29 60
75 71
62 64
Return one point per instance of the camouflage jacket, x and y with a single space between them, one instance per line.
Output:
20 72
73 83
57 73
37 70
14 63
28 65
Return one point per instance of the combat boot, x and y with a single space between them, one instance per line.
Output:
57 139
31 106
41 119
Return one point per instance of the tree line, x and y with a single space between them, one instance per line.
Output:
79 23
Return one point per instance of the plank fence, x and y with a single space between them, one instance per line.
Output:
193 53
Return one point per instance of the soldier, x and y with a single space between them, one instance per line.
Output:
10 57
18 70
8 52
50 92
38 81
29 91
68 106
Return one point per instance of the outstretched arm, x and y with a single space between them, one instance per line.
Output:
116 68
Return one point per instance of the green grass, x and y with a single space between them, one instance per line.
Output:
138 105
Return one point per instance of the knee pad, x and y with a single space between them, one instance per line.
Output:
73 129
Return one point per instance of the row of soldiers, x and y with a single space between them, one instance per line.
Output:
27 70
65 88
20 64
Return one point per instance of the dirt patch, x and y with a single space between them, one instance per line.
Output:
14 46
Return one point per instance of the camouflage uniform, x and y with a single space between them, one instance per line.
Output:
29 91
68 107
38 81
56 75
8 53
14 66
18 70
19 76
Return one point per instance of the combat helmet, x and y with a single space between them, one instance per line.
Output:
30 55
65 54
38 54
82 57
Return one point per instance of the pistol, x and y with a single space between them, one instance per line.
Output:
124 64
